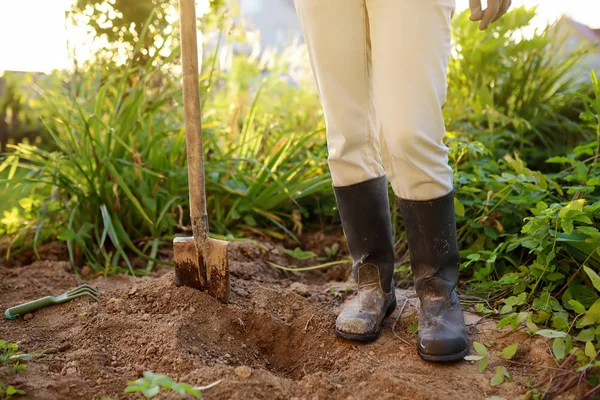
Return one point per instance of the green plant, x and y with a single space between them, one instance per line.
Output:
7 392
483 356
500 376
300 254
152 384
11 362
333 250
509 351
530 241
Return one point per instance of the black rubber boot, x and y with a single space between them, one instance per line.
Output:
365 213
431 233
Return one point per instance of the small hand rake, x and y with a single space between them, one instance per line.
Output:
200 261
20 310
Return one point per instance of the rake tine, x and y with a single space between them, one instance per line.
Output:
73 293
82 288
76 291
83 294
85 286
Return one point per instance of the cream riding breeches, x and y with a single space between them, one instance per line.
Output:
380 69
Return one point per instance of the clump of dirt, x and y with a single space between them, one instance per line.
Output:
275 340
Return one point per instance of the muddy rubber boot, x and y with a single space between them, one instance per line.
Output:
431 233
365 213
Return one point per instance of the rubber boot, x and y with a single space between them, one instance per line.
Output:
365 213
431 233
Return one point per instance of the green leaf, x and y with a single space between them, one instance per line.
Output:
560 321
474 256
192 390
575 205
516 300
480 348
567 225
584 294
590 350
529 323
550 333
114 237
592 316
249 220
483 364
509 351
505 309
459 208
593 277
152 391
299 254
586 335
554 276
506 321
558 160
588 230
499 377
547 303
11 391
559 348
127 191
577 306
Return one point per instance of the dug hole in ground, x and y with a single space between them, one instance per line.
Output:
279 327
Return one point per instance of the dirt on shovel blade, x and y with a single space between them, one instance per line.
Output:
275 340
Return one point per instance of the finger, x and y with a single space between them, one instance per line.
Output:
489 14
503 9
476 10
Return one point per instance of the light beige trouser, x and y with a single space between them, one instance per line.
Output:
380 68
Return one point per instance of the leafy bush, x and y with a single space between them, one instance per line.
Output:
117 183
513 90
530 240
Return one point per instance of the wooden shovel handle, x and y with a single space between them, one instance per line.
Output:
193 128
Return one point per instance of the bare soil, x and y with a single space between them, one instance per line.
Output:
278 324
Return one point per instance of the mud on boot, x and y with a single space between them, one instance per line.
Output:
431 233
361 318
365 213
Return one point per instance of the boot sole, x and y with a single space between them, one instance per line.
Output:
445 358
372 336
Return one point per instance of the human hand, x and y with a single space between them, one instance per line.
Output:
495 9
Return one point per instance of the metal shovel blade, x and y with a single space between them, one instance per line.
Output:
202 266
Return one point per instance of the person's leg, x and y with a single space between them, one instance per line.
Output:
411 49
335 32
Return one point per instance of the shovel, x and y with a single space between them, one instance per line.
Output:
200 262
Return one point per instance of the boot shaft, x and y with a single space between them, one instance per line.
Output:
365 213
431 234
